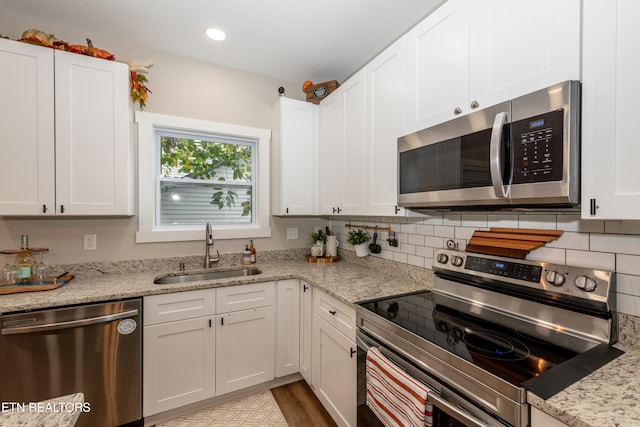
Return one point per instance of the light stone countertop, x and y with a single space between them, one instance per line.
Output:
604 398
58 412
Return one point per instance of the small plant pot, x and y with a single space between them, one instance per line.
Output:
362 249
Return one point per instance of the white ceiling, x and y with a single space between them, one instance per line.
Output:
295 40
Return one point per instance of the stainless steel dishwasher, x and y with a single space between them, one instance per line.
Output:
94 349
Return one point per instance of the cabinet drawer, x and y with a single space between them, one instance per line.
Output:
179 306
338 314
244 297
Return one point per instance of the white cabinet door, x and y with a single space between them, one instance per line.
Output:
93 152
385 77
288 328
27 175
334 372
294 157
306 318
611 90
330 174
354 114
438 66
519 47
244 349
178 364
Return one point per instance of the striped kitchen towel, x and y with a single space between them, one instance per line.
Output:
397 399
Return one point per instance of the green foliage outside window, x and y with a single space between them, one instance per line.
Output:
211 161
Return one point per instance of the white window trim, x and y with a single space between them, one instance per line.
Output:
148 231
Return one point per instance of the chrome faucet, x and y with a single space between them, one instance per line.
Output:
208 241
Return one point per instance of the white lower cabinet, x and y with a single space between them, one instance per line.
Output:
306 319
288 327
244 349
334 362
179 349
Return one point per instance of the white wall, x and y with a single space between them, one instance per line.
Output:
604 245
180 87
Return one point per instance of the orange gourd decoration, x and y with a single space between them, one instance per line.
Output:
89 50
306 84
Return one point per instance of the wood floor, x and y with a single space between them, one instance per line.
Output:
300 406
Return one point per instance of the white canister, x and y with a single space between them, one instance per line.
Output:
318 249
332 246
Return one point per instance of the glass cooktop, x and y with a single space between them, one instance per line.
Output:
514 355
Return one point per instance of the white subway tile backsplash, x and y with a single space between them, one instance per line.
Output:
615 243
424 229
628 264
595 260
569 240
406 248
502 220
400 257
424 251
387 255
464 233
434 242
416 239
415 260
541 221
571 222
628 304
408 228
628 284
622 227
546 254
475 220
444 231
452 219
433 220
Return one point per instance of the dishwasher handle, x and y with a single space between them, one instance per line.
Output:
14 330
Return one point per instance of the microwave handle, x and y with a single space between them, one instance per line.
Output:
495 152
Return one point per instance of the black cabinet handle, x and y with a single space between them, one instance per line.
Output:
397 209
305 288
61 208
593 207
286 210
353 352
222 321
209 322
332 312
44 208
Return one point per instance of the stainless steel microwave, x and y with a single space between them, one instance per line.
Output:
520 153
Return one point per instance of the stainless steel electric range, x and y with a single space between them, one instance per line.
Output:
491 329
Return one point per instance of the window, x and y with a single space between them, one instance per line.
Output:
192 172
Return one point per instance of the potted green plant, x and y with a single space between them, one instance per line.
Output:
358 238
318 242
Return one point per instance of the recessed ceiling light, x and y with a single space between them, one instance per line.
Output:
216 34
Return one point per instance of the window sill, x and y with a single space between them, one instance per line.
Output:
186 235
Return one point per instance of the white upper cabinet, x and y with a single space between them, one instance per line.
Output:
342 147
330 173
438 66
473 54
294 157
354 105
65 128
385 77
610 93
518 47
27 176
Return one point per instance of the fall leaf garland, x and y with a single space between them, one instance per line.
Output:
139 91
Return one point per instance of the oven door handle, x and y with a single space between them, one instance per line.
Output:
456 412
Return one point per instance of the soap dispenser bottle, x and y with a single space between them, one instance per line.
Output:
246 256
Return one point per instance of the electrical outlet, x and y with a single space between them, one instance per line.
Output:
90 242
292 233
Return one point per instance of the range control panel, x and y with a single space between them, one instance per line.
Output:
560 279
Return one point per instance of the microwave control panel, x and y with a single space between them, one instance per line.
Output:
538 148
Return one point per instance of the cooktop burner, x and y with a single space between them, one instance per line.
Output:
511 355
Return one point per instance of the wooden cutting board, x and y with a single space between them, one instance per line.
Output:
510 242
47 284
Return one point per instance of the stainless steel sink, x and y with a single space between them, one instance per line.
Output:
207 275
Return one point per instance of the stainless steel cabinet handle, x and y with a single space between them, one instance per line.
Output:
475 104
457 111
66 325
